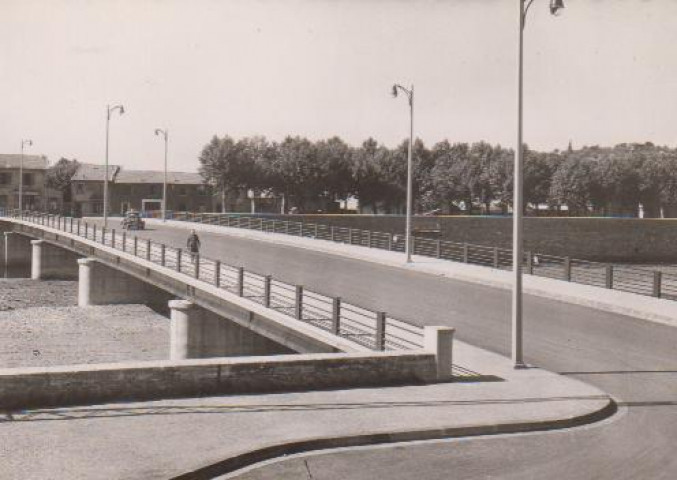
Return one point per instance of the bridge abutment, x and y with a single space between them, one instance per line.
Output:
199 333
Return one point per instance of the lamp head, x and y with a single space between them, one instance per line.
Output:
122 109
394 91
158 131
556 6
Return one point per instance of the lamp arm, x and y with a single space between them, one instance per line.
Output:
524 14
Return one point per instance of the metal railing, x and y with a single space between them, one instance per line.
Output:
374 330
639 280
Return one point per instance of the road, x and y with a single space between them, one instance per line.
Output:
634 360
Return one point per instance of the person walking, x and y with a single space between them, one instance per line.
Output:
193 245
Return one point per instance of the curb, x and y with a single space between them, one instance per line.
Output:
248 459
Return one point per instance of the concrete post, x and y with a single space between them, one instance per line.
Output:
85 266
182 313
36 259
439 340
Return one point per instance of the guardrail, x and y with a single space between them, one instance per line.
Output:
642 281
374 330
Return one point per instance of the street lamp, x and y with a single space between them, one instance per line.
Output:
165 135
518 199
410 95
109 110
21 175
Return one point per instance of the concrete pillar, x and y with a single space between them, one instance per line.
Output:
85 281
199 333
99 284
36 259
182 313
439 340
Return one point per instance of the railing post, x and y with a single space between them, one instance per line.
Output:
86 225
530 263
286 227
369 238
163 251
78 227
465 253
390 242
380 340
438 248
495 257
94 232
148 247
240 281
178 260
657 283
267 281
609 276
217 273
413 244
336 316
196 264
567 269
71 227
350 236
136 245
316 230
299 302
103 235
112 238
124 241
331 234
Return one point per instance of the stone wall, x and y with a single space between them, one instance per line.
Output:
90 384
602 239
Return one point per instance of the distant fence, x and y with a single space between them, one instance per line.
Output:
643 281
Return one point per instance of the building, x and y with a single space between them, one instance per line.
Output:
87 188
142 190
36 196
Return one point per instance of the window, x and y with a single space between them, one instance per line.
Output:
28 179
5 178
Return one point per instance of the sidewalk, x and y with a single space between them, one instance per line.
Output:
638 306
169 438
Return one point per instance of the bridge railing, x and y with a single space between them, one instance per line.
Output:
638 280
374 330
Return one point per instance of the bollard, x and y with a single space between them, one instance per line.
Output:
657 283
609 276
267 281
163 249
178 260
380 340
336 316
148 249
217 273
240 281
567 269
299 302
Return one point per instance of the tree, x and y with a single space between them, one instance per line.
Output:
370 165
335 160
59 177
572 185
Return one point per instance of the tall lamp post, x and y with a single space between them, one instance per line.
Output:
165 135
21 175
410 96
518 194
109 110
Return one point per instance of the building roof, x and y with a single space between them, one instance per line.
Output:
154 176
31 162
93 172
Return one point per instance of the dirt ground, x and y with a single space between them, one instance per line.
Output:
40 325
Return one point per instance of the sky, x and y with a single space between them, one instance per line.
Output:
601 72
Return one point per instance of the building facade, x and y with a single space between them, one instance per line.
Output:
87 188
36 195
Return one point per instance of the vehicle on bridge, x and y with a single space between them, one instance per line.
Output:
133 221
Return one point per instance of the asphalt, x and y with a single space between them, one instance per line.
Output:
169 438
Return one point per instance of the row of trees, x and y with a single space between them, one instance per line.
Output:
450 177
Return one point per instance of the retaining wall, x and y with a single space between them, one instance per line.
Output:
90 384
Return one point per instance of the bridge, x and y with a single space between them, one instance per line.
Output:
632 358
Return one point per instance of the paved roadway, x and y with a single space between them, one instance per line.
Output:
634 360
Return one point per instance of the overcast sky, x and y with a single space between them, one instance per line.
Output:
602 72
